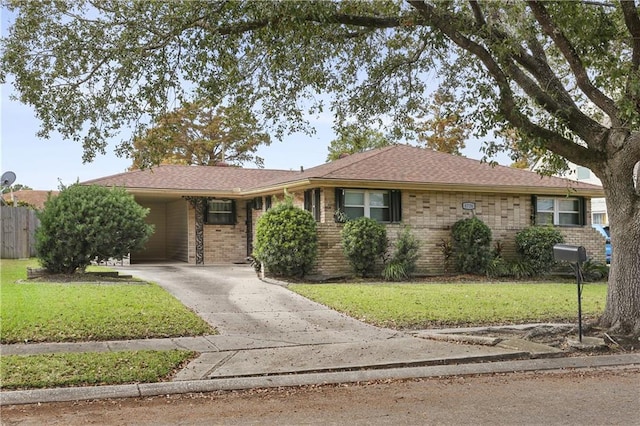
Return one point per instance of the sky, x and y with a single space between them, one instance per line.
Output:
44 164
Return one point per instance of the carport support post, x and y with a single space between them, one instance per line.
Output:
199 205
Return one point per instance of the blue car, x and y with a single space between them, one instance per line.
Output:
604 230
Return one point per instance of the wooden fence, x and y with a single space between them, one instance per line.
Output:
18 232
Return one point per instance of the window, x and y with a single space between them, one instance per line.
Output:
220 212
267 203
312 202
599 218
381 205
558 211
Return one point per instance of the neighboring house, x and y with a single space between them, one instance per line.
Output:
30 197
207 214
598 204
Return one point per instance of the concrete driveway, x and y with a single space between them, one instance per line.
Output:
239 305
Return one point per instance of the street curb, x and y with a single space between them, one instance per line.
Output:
288 380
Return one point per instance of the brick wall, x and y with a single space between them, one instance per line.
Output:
431 216
222 243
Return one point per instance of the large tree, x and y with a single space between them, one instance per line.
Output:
353 138
565 74
197 133
443 127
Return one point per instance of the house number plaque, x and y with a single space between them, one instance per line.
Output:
468 206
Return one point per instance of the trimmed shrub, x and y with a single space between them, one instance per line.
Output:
286 240
535 246
472 245
404 257
364 242
89 223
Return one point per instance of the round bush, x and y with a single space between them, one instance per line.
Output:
472 245
286 240
89 223
364 242
535 245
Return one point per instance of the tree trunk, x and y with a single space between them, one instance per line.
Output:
622 311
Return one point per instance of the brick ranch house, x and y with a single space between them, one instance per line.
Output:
207 214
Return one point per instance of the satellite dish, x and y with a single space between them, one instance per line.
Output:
7 179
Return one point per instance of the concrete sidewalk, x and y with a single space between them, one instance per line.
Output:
234 364
271 337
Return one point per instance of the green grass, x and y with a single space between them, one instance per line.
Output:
415 306
66 312
85 369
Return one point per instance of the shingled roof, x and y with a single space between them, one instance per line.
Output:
33 197
191 178
394 166
412 166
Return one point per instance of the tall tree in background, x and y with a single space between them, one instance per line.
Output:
199 134
565 74
444 127
354 138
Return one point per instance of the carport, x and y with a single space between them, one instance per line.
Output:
170 240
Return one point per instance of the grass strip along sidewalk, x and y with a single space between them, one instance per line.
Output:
420 306
87 311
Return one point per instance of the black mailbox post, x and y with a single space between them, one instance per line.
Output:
575 255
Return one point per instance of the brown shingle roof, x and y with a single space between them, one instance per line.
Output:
191 178
396 165
409 164
33 197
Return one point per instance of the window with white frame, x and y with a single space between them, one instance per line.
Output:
559 211
367 203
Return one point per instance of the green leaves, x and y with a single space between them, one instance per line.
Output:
535 246
364 242
89 223
557 71
472 245
286 240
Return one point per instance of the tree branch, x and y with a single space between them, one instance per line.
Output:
575 63
632 21
507 104
477 13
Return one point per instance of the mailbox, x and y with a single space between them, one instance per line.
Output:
568 253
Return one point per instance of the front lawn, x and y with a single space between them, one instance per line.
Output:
66 312
416 306
89 369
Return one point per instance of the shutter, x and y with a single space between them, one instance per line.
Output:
339 199
257 203
316 204
395 206
308 200
267 203
534 208
582 205
233 213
